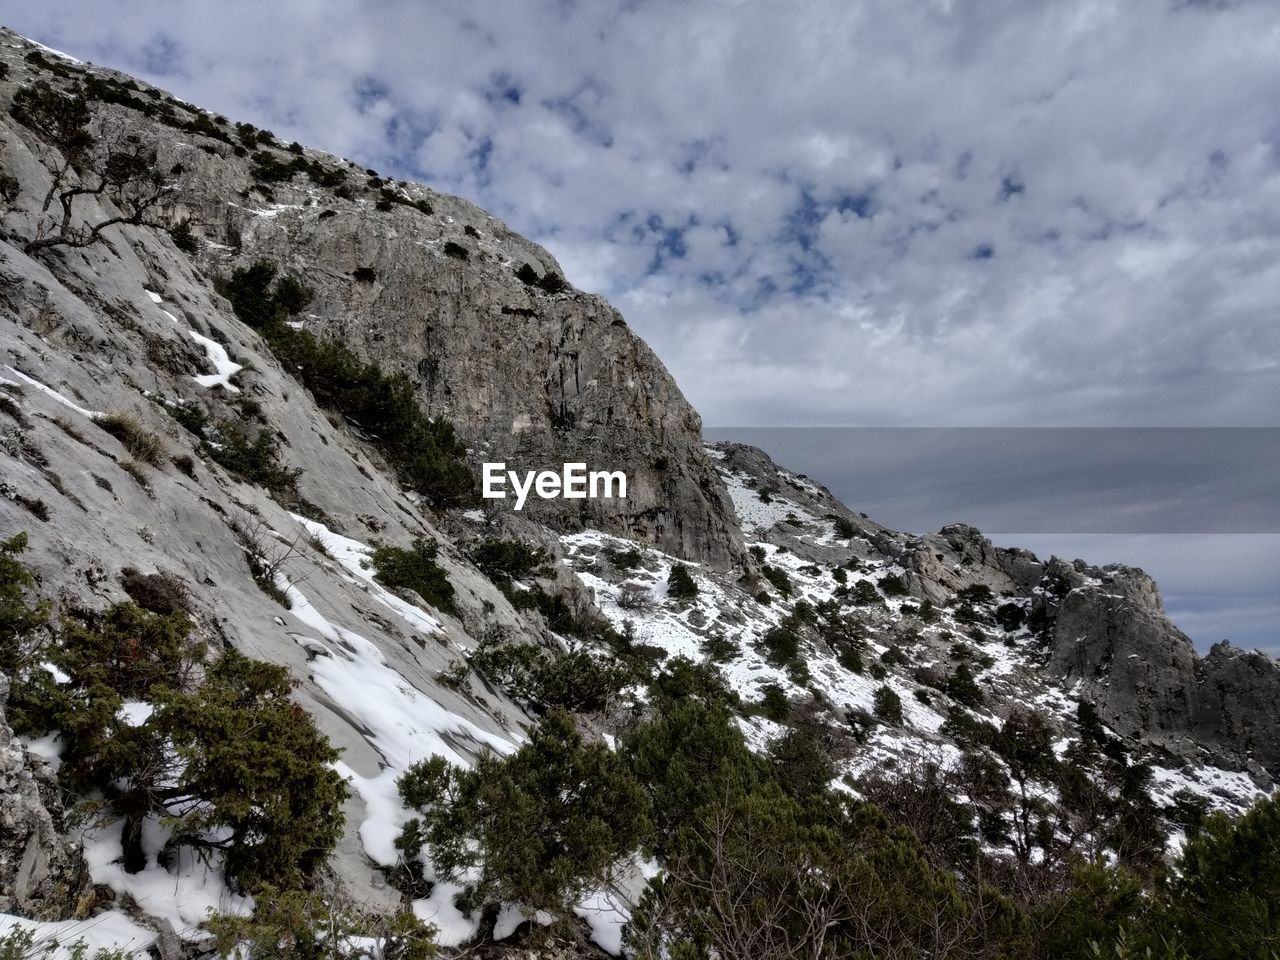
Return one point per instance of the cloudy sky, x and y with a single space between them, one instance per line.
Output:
893 213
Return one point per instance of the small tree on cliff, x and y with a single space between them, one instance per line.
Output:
116 169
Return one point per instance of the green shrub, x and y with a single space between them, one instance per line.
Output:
720 649
576 681
962 687
865 594
894 657
965 728
680 584
230 761
1224 899
550 282
21 615
684 757
1010 616
765 874
255 461
250 291
628 559
850 657
781 645
844 528
774 704
681 680
262 768
505 560
20 942
559 615
183 238
302 925
893 586
975 593
414 568
140 443
800 765
887 706
781 582
159 593
426 453
57 118
364 274
539 828
268 168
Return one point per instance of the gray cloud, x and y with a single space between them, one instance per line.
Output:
912 213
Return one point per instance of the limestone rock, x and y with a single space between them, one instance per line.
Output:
42 871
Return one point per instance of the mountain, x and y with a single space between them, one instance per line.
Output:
212 406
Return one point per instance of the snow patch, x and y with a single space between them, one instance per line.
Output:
49 391
223 365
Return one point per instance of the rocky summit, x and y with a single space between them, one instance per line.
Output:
246 390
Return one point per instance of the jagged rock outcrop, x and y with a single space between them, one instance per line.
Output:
42 871
1109 632
1236 702
959 556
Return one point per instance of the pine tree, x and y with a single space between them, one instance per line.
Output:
20 617
888 706
229 759
538 828
680 585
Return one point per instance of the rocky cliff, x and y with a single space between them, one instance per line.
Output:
494 337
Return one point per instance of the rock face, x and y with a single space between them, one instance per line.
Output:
534 379
1237 701
42 872
532 373
1109 632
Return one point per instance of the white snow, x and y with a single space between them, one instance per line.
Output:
606 914
155 297
59 676
355 558
135 713
184 895
400 722
223 365
453 925
105 931
48 748
57 53
31 381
